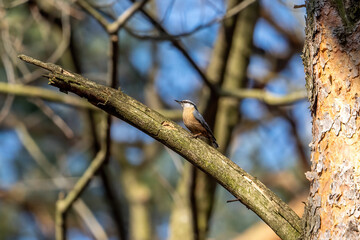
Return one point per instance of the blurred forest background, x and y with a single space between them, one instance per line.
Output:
176 50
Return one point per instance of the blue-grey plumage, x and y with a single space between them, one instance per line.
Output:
195 122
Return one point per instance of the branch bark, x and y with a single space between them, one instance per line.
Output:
243 186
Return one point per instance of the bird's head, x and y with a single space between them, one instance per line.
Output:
186 104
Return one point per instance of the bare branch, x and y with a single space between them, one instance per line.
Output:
10 74
266 97
299 6
80 207
238 8
115 26
95 14
49 95
123 18
63 205
243 186
56 119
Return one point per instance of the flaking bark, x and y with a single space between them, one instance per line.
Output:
331 59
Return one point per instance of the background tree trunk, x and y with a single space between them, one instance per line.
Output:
331 58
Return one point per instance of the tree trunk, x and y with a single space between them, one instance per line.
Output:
181 220
331 59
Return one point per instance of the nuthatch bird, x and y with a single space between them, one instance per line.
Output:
195 122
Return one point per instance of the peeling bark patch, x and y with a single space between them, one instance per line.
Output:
346 116
357 104
342 175
319 165
325 125
348 84
324 93
310 175
337 126
326 235
351 127
345 113
345 190
336 107
168 125
354 72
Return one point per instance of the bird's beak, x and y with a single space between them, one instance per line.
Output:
179 102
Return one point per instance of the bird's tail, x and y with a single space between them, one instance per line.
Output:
214 143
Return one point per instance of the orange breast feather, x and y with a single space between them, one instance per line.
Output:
192 123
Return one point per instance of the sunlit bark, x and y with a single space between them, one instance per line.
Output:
331 58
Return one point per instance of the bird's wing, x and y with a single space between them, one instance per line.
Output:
200 118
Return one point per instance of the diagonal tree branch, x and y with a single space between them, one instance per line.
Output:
247 189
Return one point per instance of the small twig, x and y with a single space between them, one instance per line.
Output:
65 39
115 26
113 61
92 11
10 74
56 119
237 9
60 228
48 66
299 6
123 18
